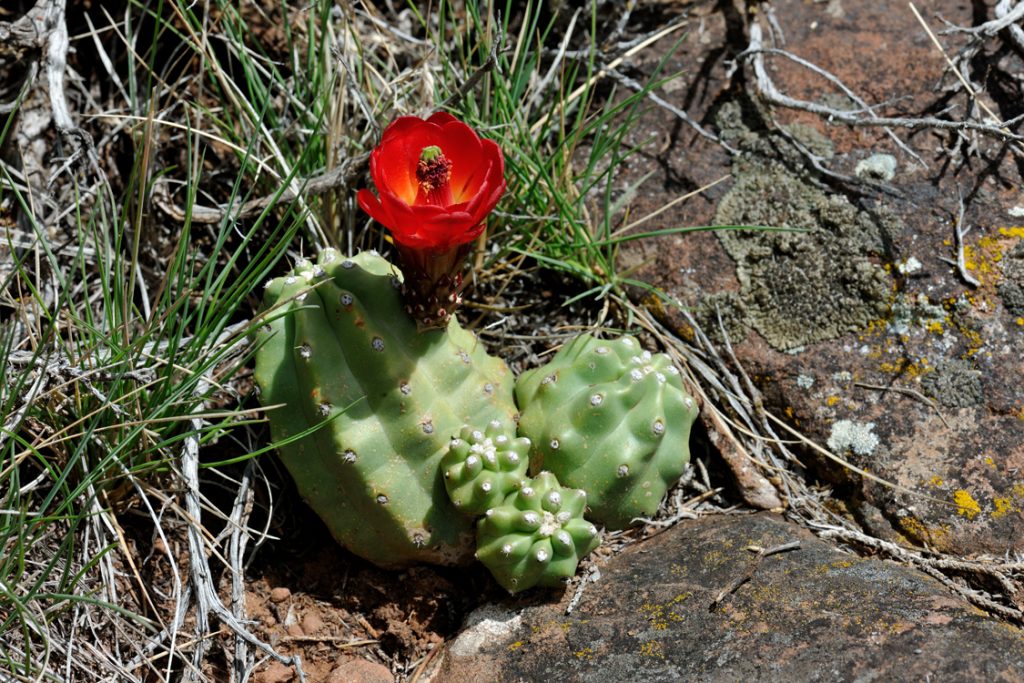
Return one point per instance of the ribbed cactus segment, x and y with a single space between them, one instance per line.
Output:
537 536
377 402
610 418
482 468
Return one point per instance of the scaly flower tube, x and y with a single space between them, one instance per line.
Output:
437 181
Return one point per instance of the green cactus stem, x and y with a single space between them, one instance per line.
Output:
482 468
610 418
374 404
537 536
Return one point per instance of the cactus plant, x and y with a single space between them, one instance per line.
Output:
610 418
370 405
537 536
482 468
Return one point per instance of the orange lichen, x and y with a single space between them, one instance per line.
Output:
906 367
660 615
832 400
966 505
936 481
837 564
652 648
918 531
982 257
654 303
1003 507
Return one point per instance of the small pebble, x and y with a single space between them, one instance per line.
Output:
361 670
312 623
276 672
280 594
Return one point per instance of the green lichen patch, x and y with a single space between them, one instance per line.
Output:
954 383
722 311
804 287
1011 289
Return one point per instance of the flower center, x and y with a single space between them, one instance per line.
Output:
433 173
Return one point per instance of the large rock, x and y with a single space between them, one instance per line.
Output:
810 614
857 331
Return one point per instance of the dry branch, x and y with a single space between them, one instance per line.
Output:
865 117
337 178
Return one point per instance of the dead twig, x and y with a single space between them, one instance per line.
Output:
470 83
914 393
959 231
592 575
207 601
960 69
1008 18
1008 13
857 118
342 176
865 108
601 73
636 86
937 566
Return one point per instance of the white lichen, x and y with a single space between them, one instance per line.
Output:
877 167
858 437
486 626
911 265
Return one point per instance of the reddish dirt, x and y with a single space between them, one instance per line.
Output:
347 619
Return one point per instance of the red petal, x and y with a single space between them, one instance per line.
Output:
400 126
489 194
441 118
392 170
373 206
493 153
463 148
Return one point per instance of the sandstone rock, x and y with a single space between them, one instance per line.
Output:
810 614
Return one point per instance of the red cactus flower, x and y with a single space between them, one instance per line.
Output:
437 181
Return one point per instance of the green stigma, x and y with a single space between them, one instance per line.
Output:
430 153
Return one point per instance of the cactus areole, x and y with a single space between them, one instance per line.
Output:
437 181
365 407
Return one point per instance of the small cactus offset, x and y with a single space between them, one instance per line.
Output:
482 468
537 536
609 418
371 405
